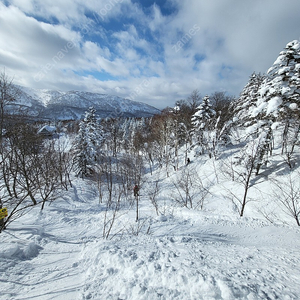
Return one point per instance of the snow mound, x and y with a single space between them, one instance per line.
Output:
26 252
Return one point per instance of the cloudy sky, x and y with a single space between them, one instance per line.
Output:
151 51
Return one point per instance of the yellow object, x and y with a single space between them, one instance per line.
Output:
3 213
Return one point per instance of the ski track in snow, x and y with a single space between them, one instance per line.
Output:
188 255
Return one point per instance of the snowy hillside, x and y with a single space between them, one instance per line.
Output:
48 104
201 202
179 253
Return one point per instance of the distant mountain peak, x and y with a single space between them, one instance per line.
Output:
52 104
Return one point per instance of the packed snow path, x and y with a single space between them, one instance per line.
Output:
61 254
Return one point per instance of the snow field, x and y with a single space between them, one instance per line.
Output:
194 264
180 254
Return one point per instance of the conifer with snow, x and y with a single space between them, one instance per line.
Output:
204 113
243 106
279 100
88 143
202 121
280 91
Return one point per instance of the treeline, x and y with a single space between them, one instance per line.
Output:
156 139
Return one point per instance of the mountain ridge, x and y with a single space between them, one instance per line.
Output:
71 105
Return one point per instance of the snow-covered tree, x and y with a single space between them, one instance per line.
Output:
126 139
203 114
80 151
280 90
244 105
202 121
279 99
94 134
222 121
88 142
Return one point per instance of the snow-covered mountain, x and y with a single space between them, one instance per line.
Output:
50 104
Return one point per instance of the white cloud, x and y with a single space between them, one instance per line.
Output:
206 45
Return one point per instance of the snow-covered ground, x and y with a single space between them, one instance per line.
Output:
207 254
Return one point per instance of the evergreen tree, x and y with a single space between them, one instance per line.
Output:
88 143
94 134
280 97
203 115
256 130
280 91
245 104
80 152
202 122
271 103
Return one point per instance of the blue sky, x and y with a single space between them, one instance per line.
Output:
156 52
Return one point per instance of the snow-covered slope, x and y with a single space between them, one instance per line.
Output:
48 104
60 254
183 253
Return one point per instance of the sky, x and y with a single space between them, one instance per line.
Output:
150 51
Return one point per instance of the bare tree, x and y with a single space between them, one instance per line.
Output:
241 171
290 139
8 94
109 176
30 171
111 212
126 172
140 226
65 164
162 130
49 173
221 103
194 100
287 192
183 194
138 179
153 192
190 190
25 146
